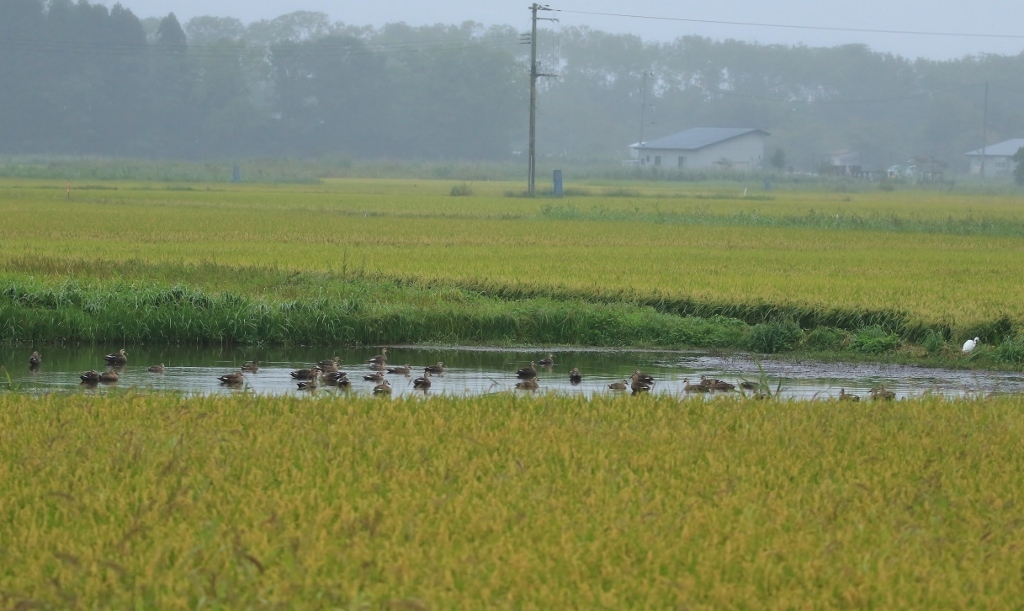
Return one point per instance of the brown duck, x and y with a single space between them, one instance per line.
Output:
528 372
694 387
422 383
232 379
528 384
575 377
117 358
35 360
329 365
879 392
90 377
380 358
306 374
715 384
337 378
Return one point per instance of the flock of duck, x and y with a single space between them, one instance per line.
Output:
328 372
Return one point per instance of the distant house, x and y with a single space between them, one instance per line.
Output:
997 158
705 147
843 163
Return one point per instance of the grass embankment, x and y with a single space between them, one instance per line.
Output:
927 268
503 501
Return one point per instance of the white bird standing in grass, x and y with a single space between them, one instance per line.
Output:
970 345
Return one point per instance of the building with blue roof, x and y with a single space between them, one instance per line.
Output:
724 148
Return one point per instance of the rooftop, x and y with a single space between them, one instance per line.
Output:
698 138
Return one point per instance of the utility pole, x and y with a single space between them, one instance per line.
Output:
531 179
984 131
643 111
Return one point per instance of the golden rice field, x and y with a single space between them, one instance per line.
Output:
135 501
416 230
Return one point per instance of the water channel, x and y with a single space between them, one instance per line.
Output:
474 371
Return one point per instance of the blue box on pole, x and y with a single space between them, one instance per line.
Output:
558 183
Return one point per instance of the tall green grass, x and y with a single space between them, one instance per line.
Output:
349 312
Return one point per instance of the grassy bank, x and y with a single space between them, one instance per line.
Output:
502 501
127 306
796 269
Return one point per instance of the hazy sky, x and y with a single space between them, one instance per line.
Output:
963 20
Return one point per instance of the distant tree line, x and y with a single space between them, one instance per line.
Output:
81 79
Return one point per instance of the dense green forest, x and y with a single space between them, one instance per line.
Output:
82 79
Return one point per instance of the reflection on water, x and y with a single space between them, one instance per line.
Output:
475 371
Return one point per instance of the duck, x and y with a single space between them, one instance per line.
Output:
306 374
439 368
310 384
547 362
879 392
90 377
638 387
643 377
384 388
156 368
528 372
35 360
422 383
232 379
117 358
844 396
109 376
378 366
376 376
252 366
715 384
380 358
970 345
528 384
748 385
575 377
694 387
623 385
329 364
400 369
336 378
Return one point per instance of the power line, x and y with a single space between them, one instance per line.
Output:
793 26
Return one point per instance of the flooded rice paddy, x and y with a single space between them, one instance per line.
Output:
478 371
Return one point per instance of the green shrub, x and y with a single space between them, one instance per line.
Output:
934 342
874 340
1010 351
770 337
462 190
826 338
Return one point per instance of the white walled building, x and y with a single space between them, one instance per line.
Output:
998 158
705 147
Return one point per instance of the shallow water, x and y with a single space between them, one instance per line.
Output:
477 371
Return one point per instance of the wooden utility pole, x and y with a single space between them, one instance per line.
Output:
531 179
643 113
984 132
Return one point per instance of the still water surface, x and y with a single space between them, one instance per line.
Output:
476 371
